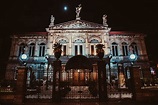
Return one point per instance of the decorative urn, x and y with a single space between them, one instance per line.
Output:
100 51
57 50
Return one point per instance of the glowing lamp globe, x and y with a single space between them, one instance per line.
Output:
132 56
65 8
23 56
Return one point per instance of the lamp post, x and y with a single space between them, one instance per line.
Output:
79 84
134 78
48 59
21 81
23 58
109 58
132 58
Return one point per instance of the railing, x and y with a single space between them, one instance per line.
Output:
6 89
126 58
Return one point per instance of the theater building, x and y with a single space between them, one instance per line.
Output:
77 37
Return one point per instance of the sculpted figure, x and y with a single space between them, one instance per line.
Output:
52 20
104 20
78 10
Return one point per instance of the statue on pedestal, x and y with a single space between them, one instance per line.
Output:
104 20
52 20
78 10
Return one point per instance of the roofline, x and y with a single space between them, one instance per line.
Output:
124 32
77 20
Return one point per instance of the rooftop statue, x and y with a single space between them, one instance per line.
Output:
52 20
78 10
105 20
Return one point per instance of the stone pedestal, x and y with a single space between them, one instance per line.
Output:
56 95
102 84
20 85
135 81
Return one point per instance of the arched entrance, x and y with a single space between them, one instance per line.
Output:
79 68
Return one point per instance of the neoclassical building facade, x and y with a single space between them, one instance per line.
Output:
78 37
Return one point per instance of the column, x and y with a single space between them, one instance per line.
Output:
36 48
102 80
135 82
70 46
86 50
21 85
56 95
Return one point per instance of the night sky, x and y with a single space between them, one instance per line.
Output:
34 15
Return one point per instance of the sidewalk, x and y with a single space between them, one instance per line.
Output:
124 102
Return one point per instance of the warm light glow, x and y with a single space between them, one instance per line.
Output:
23 56
132 56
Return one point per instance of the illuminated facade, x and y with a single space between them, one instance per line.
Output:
78 37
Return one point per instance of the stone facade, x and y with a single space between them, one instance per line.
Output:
78 37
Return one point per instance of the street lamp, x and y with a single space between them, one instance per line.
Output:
48 58
133 58
23 58
109 58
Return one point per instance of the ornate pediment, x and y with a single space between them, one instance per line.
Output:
77 24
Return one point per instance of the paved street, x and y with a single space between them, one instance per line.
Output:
87 102
91 102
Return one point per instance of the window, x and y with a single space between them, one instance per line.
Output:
64 44
42 50
76 50
81 50
124 49
93 42
114 49
31 49
64 50
134 48
92 49
79 46
21 48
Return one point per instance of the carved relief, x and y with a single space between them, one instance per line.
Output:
95 37
77 24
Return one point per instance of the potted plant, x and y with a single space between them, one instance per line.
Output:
57 50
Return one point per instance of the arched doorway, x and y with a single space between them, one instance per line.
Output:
79 68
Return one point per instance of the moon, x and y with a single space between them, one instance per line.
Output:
65 8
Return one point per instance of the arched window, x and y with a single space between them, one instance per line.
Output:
94 41
79 41
134 48
31 49
93 44
64 46
125 49
42 47
21 48
114 49
78 46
